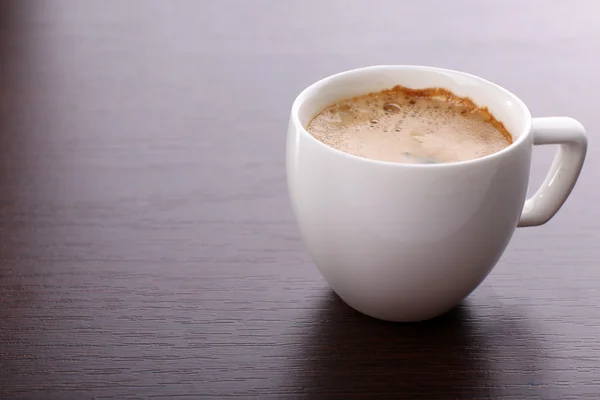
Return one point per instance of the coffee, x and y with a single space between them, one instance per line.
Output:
411 126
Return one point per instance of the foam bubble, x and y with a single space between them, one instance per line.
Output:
392 108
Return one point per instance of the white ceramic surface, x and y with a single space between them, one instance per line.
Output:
404 242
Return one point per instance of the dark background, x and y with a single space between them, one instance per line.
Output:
147 244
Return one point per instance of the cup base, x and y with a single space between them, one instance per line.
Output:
397 314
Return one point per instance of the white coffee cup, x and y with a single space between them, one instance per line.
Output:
406 242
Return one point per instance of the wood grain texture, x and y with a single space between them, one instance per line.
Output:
147 245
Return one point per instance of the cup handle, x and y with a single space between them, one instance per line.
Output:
569 134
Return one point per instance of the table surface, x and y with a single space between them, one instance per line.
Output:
147 243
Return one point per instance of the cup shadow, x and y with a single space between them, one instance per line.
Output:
349 355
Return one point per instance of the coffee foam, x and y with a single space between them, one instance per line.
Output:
410 126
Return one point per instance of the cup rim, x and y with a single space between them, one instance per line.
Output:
304 96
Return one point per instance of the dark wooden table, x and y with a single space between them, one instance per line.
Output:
147 244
